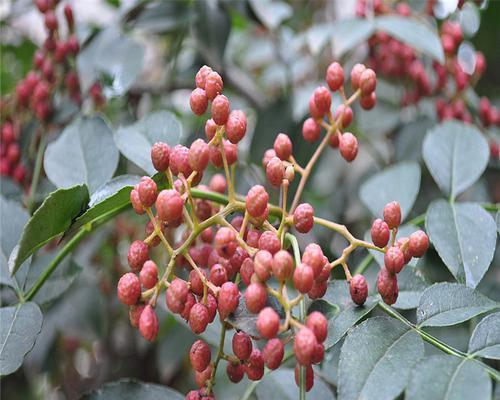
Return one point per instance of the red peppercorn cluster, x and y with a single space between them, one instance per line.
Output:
231 258
363 83
53 71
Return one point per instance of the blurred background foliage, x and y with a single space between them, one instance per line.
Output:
271 54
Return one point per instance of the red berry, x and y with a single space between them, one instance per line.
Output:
19 173
169 205
198 101
179 160
193 395
358 288
275 171
51 20
304 346
318 324
322 99
283 146
201 379
335 76
13 153
367 102
403 245
68 13
228 299
242 345
220 109
268 323
200 355
148 323
348 146
268 154
136 202
236 126
387 286
269 241
263 263
392 214
356 72
309 376
210 129
149 274
147 191
218 275
318 290
303 278
176 295
129 289
273 353
419 243
367 81
311 130
282 265
247 270
319 353
138 254
134 313
313 109
72 46
255 297
225 242
198 318
218 183
213 85
235 372
255 366
303 218
201 76
196 282
380 233
394 260
343 115
256 201
160 156
211 307
313 256
188 304
198 155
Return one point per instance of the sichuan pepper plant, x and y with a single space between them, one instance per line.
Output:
265 304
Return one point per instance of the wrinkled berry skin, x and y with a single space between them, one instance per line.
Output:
392 214
275 171
229 297
255 366
304 346
148 324
394 260
220 109
282 265
387 286
236 126
169 205
318 324
201 76
235 372
303 217
256 201
176 295
160 156
356 72
283 146
313 256
358 288
311 130
198 318
322 99
273 353
270 242
149 274
263 264
200 355
213 85
380 233
147 190
242 345
255 297
367 81
335 76
198 155
134 314
268 323
138 254
348 146
198 101
129 289
419 243
136 202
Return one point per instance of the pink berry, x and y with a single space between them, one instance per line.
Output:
269 241
392 214
256 201
138 254
282 265
199 355
348 146
147 190
213 85
255 366
263 262
228 299
210 128
358 288
387 285
304 346
303 217
201 76
220 109
273 353
322 99
242 345
198 318
356 72
148 324
380 233
268 323
169 205
160 156
255 297
303 278
343 115
149 274
367 102
313 256
218 183
198 155
283 146
318 324
394 260
335 76
275 171
235 372
236 126
419 243
367 81
311 130
129 289
198 101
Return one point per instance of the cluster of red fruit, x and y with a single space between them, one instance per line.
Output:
233 263
363 82
53 71
398 253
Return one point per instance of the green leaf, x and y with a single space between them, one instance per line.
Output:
348 33
400 182
411 286
280 384
58 282
19 327
340 310
52 218
13 217
414 33
128 389
135 141
271 12
456 155
410 138
244 320
110 197
113 54
84 153
377 358
444 304
448 377
464 235
485 340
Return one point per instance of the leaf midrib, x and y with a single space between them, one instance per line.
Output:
10 328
